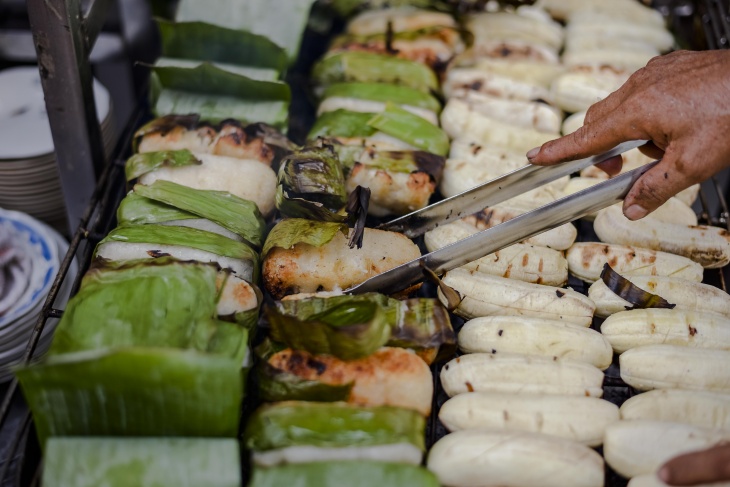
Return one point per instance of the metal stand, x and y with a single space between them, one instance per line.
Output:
63 35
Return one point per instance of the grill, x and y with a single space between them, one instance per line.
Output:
699 24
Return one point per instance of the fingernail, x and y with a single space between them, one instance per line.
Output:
635 212
664 474
533 152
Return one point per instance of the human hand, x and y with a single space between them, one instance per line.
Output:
702 467
681 103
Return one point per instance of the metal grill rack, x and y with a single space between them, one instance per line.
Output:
23 466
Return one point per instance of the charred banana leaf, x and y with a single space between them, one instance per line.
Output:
311 185
350 330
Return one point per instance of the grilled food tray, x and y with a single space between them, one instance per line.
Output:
701 24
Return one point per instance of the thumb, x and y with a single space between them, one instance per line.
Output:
591 139
656 186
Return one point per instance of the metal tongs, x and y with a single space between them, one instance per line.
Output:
524 226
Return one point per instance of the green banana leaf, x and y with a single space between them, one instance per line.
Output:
277 385
311 185
216 94
350 473
349 331
186 237
140 164
332 425
240 216
342 123
281 21
411 128
208 42
165 305
366 67
291 231
158 462
384 92
421 324
254 73
406 162
138 210
134 392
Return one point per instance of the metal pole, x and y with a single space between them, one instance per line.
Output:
62 45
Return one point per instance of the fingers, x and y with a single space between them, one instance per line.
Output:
651 150
591 139
611 166
657 185
707 466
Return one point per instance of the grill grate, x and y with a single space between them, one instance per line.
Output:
22 465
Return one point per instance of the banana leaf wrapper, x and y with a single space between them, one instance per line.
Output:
217 94
365 67
254 73
134 392
352 473
277 385
291 231
209 42
420 324
166 305
122 462
135 209
311 185
331 425
281 21
423 325
348 331
140 164
185 237
411 128
384 92
342 123
240 216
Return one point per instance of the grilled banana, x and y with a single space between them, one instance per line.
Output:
631 329
708 246
515 373
535 336
459 119
684 294
697 408
485 295
586 261
581 419
640 447
523 262
489 458
676 367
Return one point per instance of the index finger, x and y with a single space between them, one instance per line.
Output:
619 125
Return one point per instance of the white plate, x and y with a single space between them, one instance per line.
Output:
24 128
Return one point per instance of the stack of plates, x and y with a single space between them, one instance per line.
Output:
28 173
30 255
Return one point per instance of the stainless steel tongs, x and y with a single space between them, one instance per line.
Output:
505 234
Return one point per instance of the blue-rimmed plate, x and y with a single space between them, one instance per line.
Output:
40 245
